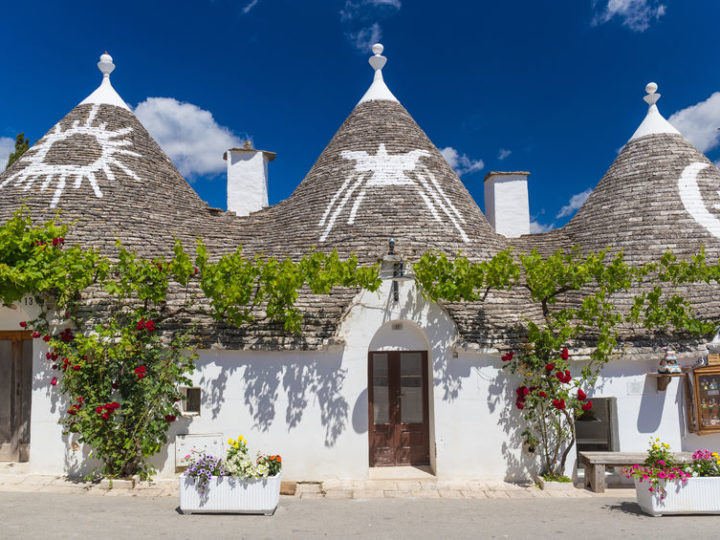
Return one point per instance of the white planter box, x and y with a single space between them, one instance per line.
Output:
230 494
697 496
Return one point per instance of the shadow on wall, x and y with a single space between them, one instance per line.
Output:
441 333
301 380
520 464
652 403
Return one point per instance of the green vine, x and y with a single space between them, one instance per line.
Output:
118 360
576 298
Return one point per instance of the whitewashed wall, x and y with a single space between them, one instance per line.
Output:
311 407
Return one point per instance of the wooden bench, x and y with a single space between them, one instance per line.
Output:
595 463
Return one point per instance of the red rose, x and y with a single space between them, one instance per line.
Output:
140 375
150 326
196 271
564 354
55 241
115 405
54 366
542 394
80 399
558 403
520 404
140 369
581 395
53 381
587 406
36 335
72 410
46 338
115 385
99 409
62 240
76 368
141 324
23 324
170 417
549 367
105 415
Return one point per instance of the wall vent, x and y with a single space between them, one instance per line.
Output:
397 326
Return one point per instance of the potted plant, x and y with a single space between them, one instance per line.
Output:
666 487
236 484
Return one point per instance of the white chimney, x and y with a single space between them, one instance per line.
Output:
507 207
247 179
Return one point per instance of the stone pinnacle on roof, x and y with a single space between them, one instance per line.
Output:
105 93
378 90
654 122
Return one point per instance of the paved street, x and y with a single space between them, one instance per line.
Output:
55 515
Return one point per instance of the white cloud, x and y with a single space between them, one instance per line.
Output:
360 18
536 227
355 9
576 201
365 38
700 122
461 163
188 134
637 15
503 154
7 147
249 6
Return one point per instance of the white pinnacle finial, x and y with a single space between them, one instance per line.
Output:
654 122
652 97
105 65
105 94
378 61
378 90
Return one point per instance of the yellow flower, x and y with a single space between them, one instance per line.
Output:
657 438
715 455
231 442
241 438
718 462
666 445
656 446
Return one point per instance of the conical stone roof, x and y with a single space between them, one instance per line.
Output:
660 193
101 171
381 177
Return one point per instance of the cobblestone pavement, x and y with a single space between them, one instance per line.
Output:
49 516
331 489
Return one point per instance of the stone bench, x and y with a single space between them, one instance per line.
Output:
595 463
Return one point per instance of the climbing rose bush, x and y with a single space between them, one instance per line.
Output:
122 383
549 399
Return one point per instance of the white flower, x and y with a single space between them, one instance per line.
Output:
695 473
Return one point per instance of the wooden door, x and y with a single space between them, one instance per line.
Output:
398 408
15 394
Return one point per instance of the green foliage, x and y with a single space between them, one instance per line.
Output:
121 378
22 145
237 286
576 296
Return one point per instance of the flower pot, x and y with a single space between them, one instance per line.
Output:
700 495
548 485
230 494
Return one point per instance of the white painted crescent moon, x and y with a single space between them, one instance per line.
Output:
692 198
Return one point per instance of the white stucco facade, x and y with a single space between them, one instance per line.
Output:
312 407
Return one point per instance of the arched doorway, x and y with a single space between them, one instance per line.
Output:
399 396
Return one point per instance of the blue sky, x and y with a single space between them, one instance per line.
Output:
552 87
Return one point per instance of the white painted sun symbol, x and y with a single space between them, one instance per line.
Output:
108 142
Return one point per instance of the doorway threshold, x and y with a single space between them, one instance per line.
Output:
401 473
